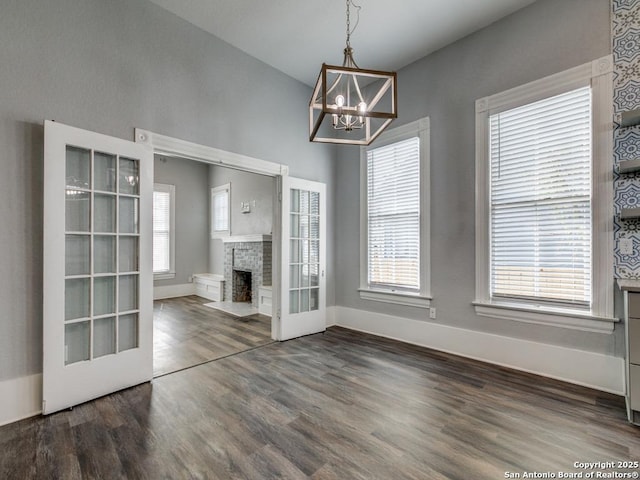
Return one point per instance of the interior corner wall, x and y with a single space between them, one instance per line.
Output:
542 39
191 215
112 66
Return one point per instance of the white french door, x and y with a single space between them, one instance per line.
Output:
98 299
303 294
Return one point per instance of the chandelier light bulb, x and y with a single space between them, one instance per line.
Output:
340 101
362 107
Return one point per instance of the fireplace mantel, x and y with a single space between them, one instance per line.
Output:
259 237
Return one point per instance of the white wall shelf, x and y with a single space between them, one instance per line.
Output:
627 213
629 166
630 118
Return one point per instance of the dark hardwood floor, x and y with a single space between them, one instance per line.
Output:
186 333
340 405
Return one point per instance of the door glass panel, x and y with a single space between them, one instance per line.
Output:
77 211
127 332
304 201
129 177
128 215
104 172
104 213
294 276
304 300
305 251
295 201
293 301
295 225
128 293
314 203
314 299
314 278
104 336
76 342
304 276
314 228
304 226
77 255
128 255
78 167
104 295
295 251
76 298
314 251
104 254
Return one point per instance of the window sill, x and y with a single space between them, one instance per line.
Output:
539 315
164 275
397 298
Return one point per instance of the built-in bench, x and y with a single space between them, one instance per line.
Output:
209 286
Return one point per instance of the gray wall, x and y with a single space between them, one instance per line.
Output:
111 66
245 187
547 37
191 215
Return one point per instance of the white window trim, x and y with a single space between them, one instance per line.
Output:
422 299
171 189
599 75
214 191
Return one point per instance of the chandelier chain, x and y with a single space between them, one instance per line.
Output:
349 29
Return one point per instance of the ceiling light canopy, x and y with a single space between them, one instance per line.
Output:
351 105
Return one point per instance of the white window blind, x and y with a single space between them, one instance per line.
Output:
393 203
220 207
161 231
541 200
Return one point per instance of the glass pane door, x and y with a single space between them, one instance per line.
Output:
101 254
304 261
302 300
97 273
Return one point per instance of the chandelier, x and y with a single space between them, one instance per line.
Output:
351 105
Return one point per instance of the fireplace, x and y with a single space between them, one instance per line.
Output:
241 289
251 255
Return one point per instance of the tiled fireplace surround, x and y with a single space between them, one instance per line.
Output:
247 255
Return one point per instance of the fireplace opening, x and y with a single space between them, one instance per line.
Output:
241 291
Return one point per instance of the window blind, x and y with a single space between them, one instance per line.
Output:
393 203
221 211
541 200
161 231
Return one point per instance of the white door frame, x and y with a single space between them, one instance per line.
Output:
164 145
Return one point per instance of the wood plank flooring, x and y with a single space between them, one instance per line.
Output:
186 333
340 405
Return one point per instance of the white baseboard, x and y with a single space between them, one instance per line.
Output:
172 291
331 316
594 370
20 398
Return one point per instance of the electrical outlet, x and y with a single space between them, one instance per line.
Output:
626 246
432 312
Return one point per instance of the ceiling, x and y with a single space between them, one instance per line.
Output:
297 36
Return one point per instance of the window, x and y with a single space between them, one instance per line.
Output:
395 229
544 205
220 211
163 231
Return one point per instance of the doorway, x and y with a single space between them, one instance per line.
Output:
212 255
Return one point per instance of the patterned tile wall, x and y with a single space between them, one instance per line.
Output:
625 35
252 256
